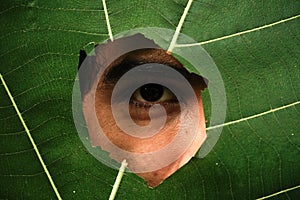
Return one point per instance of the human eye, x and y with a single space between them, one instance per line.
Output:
152 93
149 95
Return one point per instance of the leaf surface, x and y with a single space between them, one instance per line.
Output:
254 157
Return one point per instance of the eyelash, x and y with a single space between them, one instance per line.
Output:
138 104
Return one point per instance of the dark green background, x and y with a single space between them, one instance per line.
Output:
40 41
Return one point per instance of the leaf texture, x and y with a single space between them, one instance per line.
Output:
253 158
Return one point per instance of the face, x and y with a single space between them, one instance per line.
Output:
143 101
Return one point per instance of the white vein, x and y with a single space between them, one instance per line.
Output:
118 180
254 116
178 28
280 192
107 21
239 33
30 138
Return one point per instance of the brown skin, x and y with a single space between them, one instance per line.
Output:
140 115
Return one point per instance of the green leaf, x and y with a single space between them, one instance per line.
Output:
258 152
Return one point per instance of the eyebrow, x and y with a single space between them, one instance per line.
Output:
116 72
142 56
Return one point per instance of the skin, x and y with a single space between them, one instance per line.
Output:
139 111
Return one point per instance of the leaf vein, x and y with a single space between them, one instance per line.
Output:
177 31
31 139
239 33
254 116
280 192
107 21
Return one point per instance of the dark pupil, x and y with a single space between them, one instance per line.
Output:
151 92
